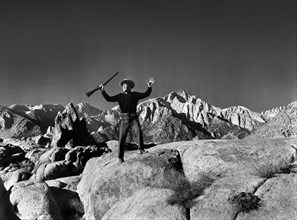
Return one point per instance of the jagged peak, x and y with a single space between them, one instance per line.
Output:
17 107
271 113
181 93
84 107
237 108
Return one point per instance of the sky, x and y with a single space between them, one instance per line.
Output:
227 53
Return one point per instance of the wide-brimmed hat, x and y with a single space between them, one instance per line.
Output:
128 81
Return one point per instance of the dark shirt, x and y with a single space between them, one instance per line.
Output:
128 101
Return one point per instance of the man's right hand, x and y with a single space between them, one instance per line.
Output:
101 88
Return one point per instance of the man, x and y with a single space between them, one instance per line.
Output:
128 101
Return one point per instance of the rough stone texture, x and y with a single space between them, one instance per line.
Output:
70 181
69 203
110 182
284 124
68 127
223 158
53 155
55 183
215 203
236 166
35 153
34 200
58 155
147 203
17 176
55 170
6 208
278 199
80 154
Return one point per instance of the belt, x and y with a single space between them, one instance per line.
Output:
128 114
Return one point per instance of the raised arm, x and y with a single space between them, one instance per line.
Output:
108 97
148 91
142 95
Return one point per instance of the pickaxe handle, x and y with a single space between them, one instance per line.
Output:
89 93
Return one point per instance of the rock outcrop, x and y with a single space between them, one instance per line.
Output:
103 187
69 127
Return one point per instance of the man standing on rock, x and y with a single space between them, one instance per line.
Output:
128 101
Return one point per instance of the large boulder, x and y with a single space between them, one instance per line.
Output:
47 171
17 176
69 203
105 182
80 154
6 208
62 162
71 182
53 155
68 127
35 153
34 200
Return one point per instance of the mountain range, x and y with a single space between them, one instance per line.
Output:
175 117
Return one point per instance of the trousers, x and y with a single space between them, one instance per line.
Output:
128 122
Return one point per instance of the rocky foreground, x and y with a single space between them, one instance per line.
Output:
200 179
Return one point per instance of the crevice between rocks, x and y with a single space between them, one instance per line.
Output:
188 214
183 186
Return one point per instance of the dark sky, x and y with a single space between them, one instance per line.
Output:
224 52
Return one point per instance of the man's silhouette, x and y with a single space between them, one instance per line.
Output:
128 101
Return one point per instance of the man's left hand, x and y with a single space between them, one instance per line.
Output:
150 82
